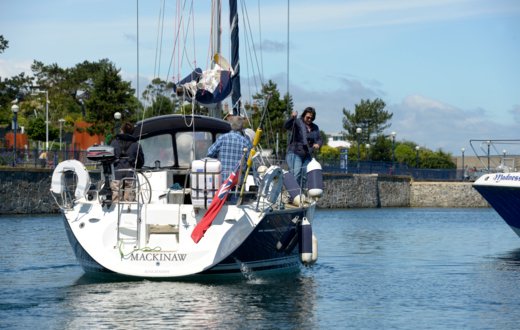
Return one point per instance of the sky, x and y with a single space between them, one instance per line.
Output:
448 70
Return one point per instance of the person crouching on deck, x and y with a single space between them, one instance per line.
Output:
129 156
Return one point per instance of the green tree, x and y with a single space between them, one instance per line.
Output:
328 153
278 110
159 96
61 88
37 130
4 44
381 149
406 153
438 159
109 94
370 116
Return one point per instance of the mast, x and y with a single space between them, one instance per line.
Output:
235 62
216 47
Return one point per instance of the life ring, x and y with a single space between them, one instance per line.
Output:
272 183
58 178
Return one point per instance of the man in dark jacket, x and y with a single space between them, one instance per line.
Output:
129 156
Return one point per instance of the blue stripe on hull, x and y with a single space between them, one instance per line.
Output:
259 250
506 201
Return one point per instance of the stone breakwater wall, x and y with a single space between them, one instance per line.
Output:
361 191
364 191
445 194
25 191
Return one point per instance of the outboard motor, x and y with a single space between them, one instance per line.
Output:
105 155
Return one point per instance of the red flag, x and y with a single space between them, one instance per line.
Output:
216 204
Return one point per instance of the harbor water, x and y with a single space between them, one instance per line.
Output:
377 269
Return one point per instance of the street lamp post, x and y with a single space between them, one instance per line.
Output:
417 156
61 121
488 145
463 169
117 117
358 135
367 147
46 121
46 115
15 109
393 134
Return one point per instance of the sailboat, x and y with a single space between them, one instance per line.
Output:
181 221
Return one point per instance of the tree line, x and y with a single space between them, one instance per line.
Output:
94 91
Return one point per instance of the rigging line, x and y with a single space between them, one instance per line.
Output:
193 35
176 40
250 32
158 51
248 54
261 41
184 50
288 27
137 43
178 19
158 39
162 32
216 8
137 83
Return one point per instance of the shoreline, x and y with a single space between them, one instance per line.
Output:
26 191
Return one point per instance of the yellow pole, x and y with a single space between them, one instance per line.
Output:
256 141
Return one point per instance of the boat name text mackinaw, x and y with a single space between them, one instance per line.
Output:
506 177
158 256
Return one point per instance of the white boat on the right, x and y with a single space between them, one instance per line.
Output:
502 192
500 186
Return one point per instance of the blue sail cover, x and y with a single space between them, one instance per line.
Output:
235 62
221 91
208 87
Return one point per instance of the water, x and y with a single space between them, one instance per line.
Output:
377 269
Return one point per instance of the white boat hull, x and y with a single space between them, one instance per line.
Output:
237 241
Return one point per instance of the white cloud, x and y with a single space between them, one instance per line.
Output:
335 15
11 68
437 125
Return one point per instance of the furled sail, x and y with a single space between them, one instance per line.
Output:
213 86
207 87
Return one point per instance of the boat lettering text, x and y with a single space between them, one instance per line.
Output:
506 177
157 256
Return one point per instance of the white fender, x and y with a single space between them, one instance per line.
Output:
314 179
58 179
305 233
272 183
314 257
